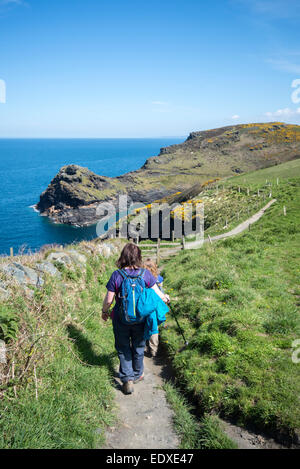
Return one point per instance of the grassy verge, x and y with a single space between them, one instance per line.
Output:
206 434
238 302
57 391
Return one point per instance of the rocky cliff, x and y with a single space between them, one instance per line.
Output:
73 195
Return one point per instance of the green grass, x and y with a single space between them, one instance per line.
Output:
73 362
282 171
229 201
238 303
194 434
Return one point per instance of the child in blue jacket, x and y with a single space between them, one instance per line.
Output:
153 341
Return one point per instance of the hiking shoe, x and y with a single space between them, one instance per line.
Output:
127 388
139 379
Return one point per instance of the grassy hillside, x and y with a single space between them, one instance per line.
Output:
238 302
56 391
72 195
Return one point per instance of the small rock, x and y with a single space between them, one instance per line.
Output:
60 257
29 293
2 352
105 250
48 268
77 257
22 274
4 294
13 271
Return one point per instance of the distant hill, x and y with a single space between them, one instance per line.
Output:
74 193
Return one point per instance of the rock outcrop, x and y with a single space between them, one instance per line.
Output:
74 194
16 274
22 274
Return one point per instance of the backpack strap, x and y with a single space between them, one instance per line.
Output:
123 273
142 273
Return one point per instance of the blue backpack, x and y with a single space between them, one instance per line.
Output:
131 290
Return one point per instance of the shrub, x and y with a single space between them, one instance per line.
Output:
8 323
213 343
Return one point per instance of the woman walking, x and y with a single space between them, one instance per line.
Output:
129 337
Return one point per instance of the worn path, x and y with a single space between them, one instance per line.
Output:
237 230
145 418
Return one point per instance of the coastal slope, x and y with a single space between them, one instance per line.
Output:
73 195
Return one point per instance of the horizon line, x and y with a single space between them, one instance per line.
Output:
91 138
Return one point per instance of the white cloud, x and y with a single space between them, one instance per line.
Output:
282 9
2 92
287 112
285 65
11 2
236 116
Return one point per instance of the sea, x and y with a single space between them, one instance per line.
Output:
27 166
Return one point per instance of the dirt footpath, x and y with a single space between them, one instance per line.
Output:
145 418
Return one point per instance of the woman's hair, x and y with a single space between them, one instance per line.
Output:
150 265
131 256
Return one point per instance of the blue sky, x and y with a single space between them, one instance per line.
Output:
97 68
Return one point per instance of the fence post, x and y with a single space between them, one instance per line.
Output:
137 240
173 236
258 192
11 252
284 210
158 251
248 191
183 243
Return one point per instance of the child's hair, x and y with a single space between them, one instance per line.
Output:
150 265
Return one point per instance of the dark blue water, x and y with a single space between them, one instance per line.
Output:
27 167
